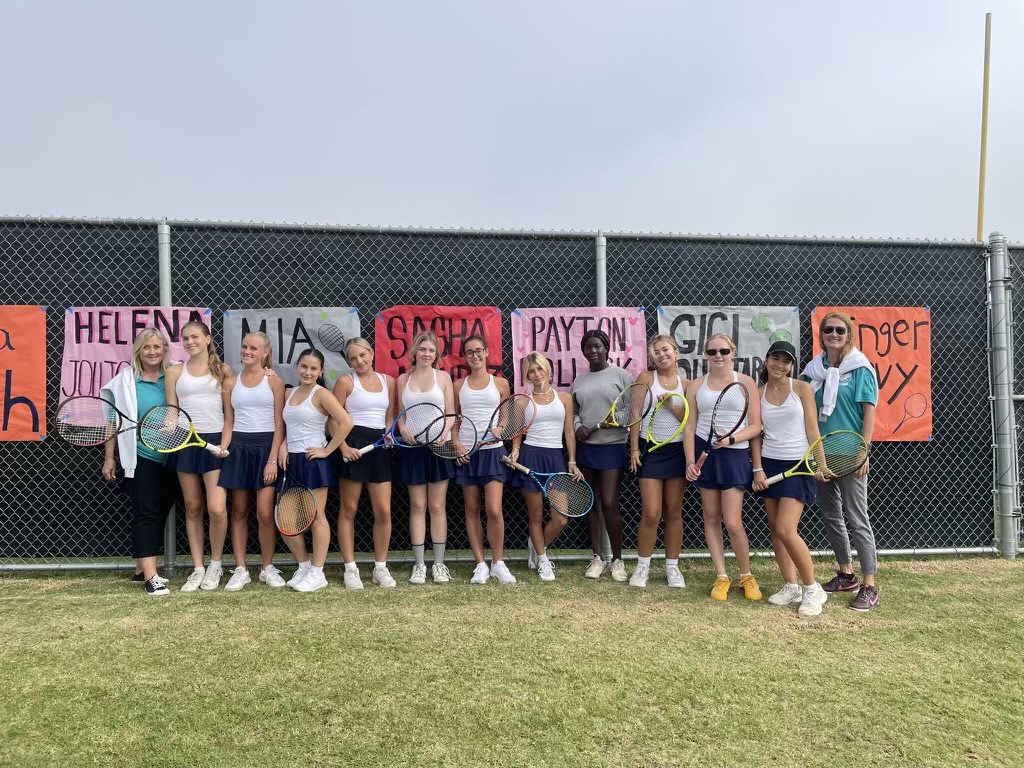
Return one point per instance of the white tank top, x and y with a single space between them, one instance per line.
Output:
478 405
411 397
784 434
253 406
656 391
200 398
548 425
706 399
305 424
368 409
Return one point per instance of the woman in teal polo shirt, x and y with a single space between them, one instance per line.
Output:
845 393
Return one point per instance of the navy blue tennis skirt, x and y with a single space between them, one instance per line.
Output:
539 460
484 467
724 468
312 473
243 468
197 461
613 456
373 467
801 487
667 462
420 466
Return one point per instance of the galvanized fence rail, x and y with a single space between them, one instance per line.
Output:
59 513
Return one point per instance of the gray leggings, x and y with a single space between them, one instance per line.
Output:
844 509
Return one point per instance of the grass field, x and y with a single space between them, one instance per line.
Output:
573 673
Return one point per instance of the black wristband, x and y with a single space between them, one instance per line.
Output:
732 440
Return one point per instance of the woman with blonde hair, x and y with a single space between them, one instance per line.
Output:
257 397
540 449
846 393
425 474
727 473
147 480
369 398
661 473
199 387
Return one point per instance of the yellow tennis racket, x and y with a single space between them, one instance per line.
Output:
667 421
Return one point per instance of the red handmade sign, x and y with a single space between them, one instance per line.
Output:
23 372
396 327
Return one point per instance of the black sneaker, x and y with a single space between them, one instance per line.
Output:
866 599
843 582
140 576
156 587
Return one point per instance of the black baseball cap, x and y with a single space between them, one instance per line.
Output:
782 348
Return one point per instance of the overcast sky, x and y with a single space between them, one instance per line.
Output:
793 118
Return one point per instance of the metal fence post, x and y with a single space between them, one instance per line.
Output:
163 242
1005 492
601 300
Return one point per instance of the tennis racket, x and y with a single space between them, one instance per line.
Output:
629 407
417 425
837 454
914 407
458 437
332 337
511 419
167 429
86 420
667 421
728 415
295 509
565 494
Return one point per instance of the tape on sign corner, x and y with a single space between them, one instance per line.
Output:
517 313
353 310
43 307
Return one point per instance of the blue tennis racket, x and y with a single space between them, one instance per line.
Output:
565 494
417 425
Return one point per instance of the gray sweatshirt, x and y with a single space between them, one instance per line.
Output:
592 396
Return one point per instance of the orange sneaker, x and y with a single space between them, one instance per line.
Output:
750 589
721 589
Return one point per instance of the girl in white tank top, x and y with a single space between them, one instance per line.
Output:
198 387
790 426
481 475
369 398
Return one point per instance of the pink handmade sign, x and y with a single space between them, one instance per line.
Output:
98 341
556 333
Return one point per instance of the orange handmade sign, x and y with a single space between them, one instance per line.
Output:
22 372
898 342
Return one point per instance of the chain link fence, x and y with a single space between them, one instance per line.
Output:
59 511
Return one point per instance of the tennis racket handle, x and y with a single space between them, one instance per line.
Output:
366 449
700 461
776 478
216 450
516 465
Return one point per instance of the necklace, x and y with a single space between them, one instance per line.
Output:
544 394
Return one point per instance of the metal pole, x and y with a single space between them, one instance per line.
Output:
163 245
1007 508
983 162
601 291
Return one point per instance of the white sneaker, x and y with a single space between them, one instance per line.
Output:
531 557
790 593
212 578
480 574
674 576
640 574
351 579
618 570
814 598
545 570
439 572
419 575
501 572
596 568
312 582
382 577
194 580
272 577
299 575
239 578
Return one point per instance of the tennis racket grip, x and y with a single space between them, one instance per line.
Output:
700 461
215 449
366 449
776 478
516 465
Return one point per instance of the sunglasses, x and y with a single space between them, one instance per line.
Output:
713 352
834 330
475 352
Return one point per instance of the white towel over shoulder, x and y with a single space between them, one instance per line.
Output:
829 377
